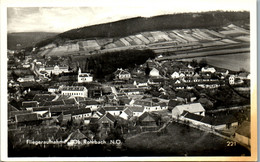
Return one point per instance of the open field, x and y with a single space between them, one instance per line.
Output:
232 62
181 140
159 41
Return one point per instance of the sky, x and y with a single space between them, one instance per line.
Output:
59 19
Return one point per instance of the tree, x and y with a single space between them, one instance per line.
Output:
94 128
203 62
147 69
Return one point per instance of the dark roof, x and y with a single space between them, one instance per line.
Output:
173 103
56 108
13 113
137 109
125 100
50 103
219 120
128 111
43 97
26 117
89 102
77 135
114 108
162 104
70 101
109 116
192 116
244 129
77 111
11 108
102 111
26 104
147 114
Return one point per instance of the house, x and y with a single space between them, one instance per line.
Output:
205 102
122 74
92 104
132 91
53 89
84 77
140 84
154 73
186 72
172 104
148 105
55 69
175 75
43 97
233 79
76 138
64 118
27 104
208 69
107 120
137 111
27 78
76 91
218 123
26 117
195 108
114 110
12 114
126 114
79 114
147 122
242 134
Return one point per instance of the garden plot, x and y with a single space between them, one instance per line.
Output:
214 43
203 34
45 52
157 36
149 36
130 41
178 36
111 45
228 41
243 38
136 40
214 34
102 42
186 37
142 38
126 43
233 32
73 47
118 43
238 29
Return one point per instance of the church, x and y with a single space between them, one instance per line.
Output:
84 77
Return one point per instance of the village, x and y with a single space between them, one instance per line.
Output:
48 100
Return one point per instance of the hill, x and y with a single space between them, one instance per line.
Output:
210 20
17 41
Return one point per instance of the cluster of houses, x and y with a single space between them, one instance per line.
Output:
126 97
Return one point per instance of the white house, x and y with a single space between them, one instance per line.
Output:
211 70
137 111
122 74
84 77
195 108
175 75
77 91
56 69
154 73
27 78
126 114
114 110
